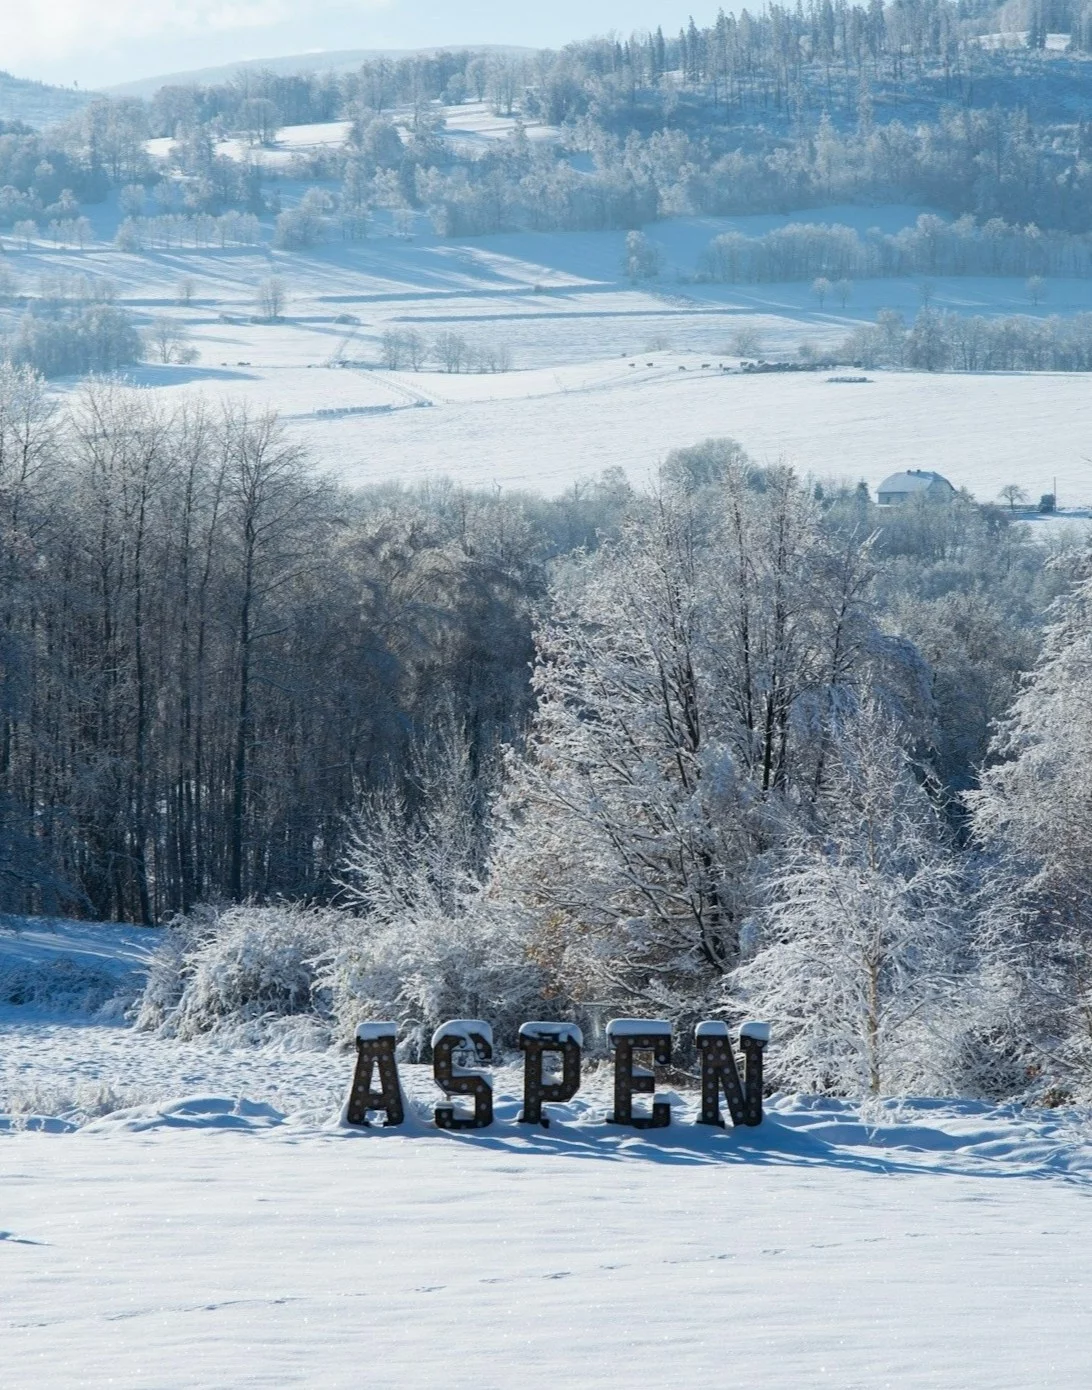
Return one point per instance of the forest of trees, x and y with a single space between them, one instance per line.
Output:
739 742
780 109
208 648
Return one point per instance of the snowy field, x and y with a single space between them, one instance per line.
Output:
606 373
192 1215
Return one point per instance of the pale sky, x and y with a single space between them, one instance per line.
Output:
100 42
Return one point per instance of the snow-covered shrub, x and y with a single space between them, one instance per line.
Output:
429 943
422 969
239 965
75 1101
63 986
166 977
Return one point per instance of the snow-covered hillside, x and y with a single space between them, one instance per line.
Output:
38 104
193 1215
606 373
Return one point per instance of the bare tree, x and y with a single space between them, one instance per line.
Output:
1013 493
746 341
451 349
169 340
270 512
392 349
271 298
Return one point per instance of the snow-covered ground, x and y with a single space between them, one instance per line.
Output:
573 326
194 1216
546 428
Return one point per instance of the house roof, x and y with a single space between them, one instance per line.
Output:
914 480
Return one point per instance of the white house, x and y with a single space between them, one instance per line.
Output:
916 482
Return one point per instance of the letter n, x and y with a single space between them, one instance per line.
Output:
719 1072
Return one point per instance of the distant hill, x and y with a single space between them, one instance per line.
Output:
341 60
36 103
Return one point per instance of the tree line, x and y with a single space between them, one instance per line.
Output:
209 649
932 246
941 341
759 112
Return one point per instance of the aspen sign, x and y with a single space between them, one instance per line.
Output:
469 1095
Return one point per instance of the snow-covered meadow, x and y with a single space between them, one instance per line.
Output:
606 373
191 1214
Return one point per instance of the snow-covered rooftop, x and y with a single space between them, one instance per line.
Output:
914 480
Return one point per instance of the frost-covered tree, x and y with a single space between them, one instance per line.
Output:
271 298
168 339
420 846
306 224
684 684
642 259
1034 811
1037 795
451 351
859 945
96 338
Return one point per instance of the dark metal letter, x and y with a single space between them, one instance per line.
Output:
753 1038
459 1035
719 1071
375 1048
534 1040
626 1036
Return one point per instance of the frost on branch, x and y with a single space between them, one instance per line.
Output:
863 955
1033 815
427 943
687 684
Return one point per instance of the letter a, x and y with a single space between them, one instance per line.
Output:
375 1048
